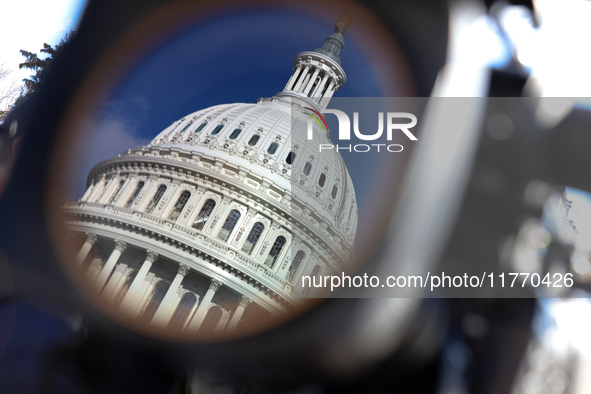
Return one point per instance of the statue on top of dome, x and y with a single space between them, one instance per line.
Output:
343 23
336 41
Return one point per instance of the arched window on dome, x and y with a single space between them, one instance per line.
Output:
201 127
295 264
182 311
254 139
179 205
217 129
315 271
155 299
272 148
117 193
123 291
235 133
211 319
229 225
334 192
253 237
185 128
290 158
204 214
136 192
275 251
307 168
156 199
321 180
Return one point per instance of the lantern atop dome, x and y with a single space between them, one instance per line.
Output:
318 74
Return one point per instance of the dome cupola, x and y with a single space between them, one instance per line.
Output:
318 74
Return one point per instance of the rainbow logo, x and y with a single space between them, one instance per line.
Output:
317 116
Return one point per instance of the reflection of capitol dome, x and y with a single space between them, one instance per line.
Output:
212 224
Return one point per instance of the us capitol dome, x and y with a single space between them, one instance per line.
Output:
211 226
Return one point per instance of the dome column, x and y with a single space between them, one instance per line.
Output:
285 263
115 282
323 100
293 78
163 310
195 323
91 239
100 281
244 302
318 89
93 269
301 79
311 82
130 301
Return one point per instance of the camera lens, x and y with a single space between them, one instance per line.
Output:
190 210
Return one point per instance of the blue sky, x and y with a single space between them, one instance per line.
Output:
236 58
